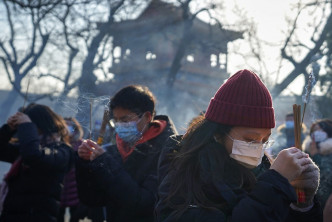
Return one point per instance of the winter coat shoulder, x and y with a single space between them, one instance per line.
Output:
129 189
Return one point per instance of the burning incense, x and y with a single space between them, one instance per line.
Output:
297 133
90 128
26 95
306 97
103 127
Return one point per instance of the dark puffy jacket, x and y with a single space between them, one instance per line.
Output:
69 195
34 192
129 189
269 200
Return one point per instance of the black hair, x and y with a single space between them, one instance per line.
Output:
289 115
136 98
201 161
47 121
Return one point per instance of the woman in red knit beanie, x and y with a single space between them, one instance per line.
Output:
218 171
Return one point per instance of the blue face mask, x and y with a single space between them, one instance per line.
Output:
128 131
70 129
289 124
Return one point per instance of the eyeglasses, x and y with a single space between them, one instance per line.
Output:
125 119
266 144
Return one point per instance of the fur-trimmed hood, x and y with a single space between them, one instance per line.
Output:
325 147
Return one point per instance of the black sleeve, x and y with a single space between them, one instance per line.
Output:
8 152
170 149
268 201
123 189
53 157
89 192
118 186
313 215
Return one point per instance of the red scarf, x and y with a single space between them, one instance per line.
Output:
156 129
14 169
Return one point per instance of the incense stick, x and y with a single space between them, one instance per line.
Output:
26 95
297 134
90 128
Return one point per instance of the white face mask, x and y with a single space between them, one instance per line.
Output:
249 154
319 136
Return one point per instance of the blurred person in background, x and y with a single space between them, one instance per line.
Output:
124 178
40 158
319 145
286 136
69 195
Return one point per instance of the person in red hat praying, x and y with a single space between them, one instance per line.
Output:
217 171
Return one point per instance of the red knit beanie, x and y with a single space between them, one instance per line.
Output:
242 101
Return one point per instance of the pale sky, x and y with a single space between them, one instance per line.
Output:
270 18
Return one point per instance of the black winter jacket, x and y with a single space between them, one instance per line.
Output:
34 192
129 189
269 200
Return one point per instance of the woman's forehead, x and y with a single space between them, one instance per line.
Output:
251 131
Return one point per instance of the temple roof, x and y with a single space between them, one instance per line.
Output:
164 18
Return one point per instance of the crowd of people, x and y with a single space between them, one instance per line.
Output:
217 171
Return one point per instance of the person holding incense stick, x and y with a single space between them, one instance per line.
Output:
40 159
319 145
217 171
124 178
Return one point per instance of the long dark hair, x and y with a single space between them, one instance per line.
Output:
201 162
47 122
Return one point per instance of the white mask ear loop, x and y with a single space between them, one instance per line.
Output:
142 131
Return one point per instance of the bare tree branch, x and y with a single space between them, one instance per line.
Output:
300 67
50 75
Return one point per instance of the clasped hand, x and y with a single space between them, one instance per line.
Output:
89 150
300 171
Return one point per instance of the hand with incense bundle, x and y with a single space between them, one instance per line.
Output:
89 150
307 183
